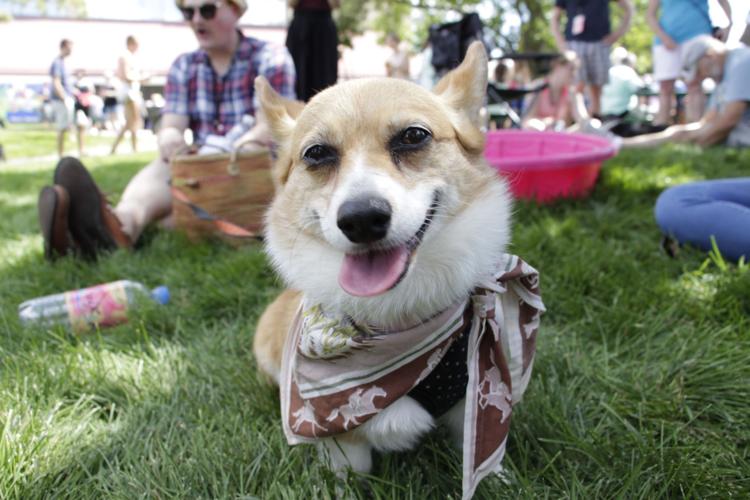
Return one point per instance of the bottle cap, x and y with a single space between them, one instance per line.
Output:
160 294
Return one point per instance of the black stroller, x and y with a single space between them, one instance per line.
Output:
449 43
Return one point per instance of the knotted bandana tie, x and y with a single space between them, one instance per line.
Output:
336 375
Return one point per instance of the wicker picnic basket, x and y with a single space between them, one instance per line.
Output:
222 195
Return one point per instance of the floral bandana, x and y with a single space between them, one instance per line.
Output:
336 375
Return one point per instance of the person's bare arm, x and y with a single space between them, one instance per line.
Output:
578 106
120 73
293 3
670 135
627 16
334 4
565 112
717 127
258 137
712 129
531 111
171 136
724 32
59 90
653 21
555 28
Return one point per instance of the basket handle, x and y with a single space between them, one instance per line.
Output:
232 167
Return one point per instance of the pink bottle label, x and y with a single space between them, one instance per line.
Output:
101 305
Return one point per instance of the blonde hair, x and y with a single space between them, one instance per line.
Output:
566 58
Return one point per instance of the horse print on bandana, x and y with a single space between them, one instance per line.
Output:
323 397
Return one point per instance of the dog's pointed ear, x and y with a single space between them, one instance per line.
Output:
464 90
280 113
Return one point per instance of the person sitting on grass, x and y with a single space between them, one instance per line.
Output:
208 90
560 106
618 95
552 108
695 213
727 118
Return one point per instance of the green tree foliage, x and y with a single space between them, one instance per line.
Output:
517 25
350 19
640 37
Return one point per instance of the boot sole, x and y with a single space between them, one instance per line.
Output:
85 213
53 207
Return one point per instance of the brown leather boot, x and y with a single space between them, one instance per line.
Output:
53 208
93 225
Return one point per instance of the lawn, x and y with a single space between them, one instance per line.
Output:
24 140
641 386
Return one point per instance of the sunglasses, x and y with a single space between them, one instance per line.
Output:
207 11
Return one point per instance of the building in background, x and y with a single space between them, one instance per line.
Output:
260 12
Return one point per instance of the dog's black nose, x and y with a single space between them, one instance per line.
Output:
365 219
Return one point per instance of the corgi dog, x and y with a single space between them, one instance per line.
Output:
386 219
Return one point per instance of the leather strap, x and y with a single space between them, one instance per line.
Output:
224 226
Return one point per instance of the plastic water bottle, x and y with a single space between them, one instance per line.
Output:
97 306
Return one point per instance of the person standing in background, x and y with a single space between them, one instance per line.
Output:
745 38
61 95
588 33
427 77
397 65
82 108
312 41
131 76
678 22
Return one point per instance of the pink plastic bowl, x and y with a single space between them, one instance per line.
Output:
547 165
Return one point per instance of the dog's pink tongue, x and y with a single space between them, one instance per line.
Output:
373 273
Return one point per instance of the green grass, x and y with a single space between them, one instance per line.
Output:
641 386
30 140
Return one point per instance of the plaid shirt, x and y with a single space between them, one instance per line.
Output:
214 103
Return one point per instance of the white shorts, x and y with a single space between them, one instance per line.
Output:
667 63
131 92
63 112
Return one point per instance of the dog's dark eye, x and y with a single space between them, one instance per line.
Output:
410 139
414 135
319 154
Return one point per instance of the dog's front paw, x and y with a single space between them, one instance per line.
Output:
399 426
346 452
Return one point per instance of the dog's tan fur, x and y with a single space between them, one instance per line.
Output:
468 233
272 330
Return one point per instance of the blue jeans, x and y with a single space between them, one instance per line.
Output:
694 212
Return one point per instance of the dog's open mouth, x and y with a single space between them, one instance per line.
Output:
377 271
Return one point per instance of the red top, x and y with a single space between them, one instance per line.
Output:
313 5
545 108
